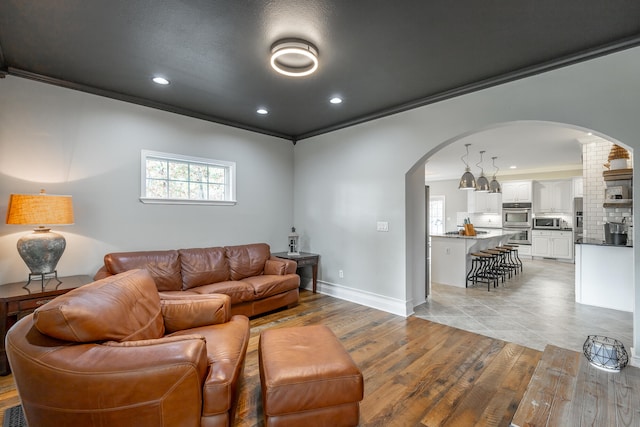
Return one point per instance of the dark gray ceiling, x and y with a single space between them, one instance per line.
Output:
381 56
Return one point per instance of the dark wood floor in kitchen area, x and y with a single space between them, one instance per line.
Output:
416 372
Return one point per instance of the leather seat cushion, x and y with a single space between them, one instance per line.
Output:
202 266
267 285
226 349
164 266
124 307
238 291
306 368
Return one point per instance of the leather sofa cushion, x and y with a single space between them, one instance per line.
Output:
164 266
267 285
124 307
238 291
192 311
202 266
247 260
276 267
226 350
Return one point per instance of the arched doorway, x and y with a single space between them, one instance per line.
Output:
416 234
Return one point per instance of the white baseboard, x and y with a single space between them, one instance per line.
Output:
369 299
633 359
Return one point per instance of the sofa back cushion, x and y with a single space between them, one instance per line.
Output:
124 307
247 260
164 266
203 266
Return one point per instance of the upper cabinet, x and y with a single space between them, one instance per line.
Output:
516 191
578 187
483 202
553 196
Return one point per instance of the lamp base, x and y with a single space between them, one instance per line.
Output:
43 277
41 250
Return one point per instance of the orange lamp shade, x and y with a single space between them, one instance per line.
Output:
40 209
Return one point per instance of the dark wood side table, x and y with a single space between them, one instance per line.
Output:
305 259
17 301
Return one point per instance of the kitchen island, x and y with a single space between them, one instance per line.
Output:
451 254
604 274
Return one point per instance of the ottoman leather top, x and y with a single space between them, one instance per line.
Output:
306 368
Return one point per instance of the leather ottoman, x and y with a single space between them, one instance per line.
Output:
308 378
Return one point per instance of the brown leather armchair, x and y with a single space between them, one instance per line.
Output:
117 353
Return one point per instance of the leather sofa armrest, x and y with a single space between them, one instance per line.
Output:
290 265
182 312
102 273
166 369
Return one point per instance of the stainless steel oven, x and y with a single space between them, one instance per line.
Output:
516 215
522 236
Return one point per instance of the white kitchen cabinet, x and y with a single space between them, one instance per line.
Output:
516 191
478 202
553 196
578 187
552 244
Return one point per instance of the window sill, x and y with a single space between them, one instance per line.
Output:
188 202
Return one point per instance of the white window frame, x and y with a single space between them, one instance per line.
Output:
230 167
437 228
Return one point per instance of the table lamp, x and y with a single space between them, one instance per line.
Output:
42 249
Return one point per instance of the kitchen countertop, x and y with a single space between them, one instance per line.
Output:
554 229
599 242
490 234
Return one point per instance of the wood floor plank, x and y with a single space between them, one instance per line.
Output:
415 371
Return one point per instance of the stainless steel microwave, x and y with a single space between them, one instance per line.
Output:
516 215
547 223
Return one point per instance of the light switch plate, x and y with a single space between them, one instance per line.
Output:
382 226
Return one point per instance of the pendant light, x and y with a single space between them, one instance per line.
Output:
483 183
494 185
467 181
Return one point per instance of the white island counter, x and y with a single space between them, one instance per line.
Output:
450 259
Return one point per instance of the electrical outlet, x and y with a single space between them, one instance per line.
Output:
382 226
340 274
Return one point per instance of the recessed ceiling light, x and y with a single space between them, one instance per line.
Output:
262 111
294 58
160 80
513 167
336 100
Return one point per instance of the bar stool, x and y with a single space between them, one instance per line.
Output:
517 260
482 270
499 265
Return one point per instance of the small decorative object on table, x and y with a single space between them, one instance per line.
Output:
293 242
605 353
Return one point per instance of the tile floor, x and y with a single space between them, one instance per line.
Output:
534 308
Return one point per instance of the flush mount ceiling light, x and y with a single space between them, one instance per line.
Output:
294 58
160 80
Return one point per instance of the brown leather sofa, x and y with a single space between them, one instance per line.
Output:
113 353
255 281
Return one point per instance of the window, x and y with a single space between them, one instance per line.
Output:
172 178
436 214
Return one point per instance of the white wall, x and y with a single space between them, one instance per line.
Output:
348 179
70 142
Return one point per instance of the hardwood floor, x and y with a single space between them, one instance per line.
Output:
416 372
